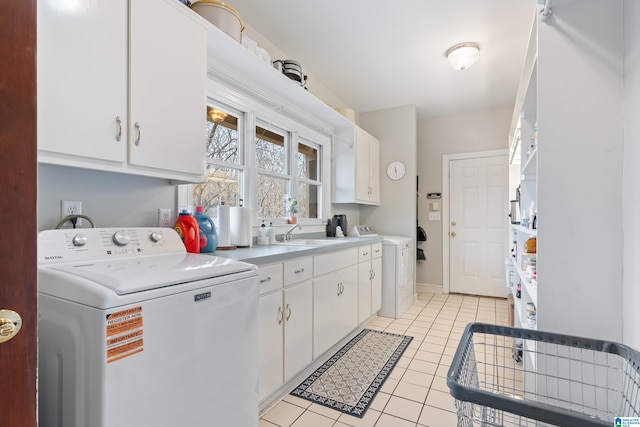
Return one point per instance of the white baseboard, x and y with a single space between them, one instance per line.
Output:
426 287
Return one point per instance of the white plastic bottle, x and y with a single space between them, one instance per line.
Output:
262 235
271 234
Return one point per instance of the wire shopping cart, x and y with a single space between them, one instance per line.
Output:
561 380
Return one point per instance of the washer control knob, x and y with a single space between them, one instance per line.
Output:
155 237
121 238
79 240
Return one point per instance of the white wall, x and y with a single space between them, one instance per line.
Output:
110 199
631 175
475 131
397 131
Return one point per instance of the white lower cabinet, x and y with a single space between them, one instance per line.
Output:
335 308
309 304
285 323
369 281
271 348
298 340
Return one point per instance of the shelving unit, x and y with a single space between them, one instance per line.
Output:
573 174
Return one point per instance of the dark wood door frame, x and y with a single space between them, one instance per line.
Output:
18 174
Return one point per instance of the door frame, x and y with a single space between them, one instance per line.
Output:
446 160
18 253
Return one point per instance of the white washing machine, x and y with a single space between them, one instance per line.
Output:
398 284
134 331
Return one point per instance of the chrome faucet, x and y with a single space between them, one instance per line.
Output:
287 235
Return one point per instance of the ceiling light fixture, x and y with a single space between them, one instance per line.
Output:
463 55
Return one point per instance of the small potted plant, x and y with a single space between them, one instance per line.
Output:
291 209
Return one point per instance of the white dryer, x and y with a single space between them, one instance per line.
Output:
398 284
134 331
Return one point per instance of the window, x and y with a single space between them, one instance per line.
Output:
225 166
309 185
273 178
265 169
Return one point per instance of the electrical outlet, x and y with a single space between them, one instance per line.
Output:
71 208
164 218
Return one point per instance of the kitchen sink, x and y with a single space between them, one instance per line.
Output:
311 242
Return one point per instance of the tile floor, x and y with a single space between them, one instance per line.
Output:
415 394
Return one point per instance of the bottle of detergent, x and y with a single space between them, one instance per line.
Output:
187 228
208 236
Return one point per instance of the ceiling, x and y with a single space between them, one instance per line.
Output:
376 55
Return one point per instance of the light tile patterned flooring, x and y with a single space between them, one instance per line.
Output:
415 394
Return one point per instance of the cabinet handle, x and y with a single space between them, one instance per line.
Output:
280 315
288 312
118 128
372 274
268 279
377 251
365 253
138 133
299 271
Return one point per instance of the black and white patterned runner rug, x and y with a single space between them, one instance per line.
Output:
350 379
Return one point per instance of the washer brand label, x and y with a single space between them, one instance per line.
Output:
124 333
53 257
201 297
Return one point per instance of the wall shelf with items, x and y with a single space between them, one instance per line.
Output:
238 70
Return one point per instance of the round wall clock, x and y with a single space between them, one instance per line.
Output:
396 170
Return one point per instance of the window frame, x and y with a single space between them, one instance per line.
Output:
251 112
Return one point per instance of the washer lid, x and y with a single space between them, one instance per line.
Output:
127 276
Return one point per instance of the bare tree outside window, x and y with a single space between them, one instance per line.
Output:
223 147
273 153
271 160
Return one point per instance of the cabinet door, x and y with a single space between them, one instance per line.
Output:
362 147
167 89
271 318
376 285
374 170
364 291
348 302
298 339
82 79
326 290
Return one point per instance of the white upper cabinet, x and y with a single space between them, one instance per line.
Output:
82 79
356 168
121 87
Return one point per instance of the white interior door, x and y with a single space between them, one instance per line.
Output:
478 200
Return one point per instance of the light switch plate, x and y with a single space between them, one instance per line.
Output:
434 216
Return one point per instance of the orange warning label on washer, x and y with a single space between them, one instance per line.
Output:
124 321
124 333
125 348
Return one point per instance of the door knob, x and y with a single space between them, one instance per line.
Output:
453 234
10 324
453 223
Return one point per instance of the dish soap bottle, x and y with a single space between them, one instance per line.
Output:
187 228
207 234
